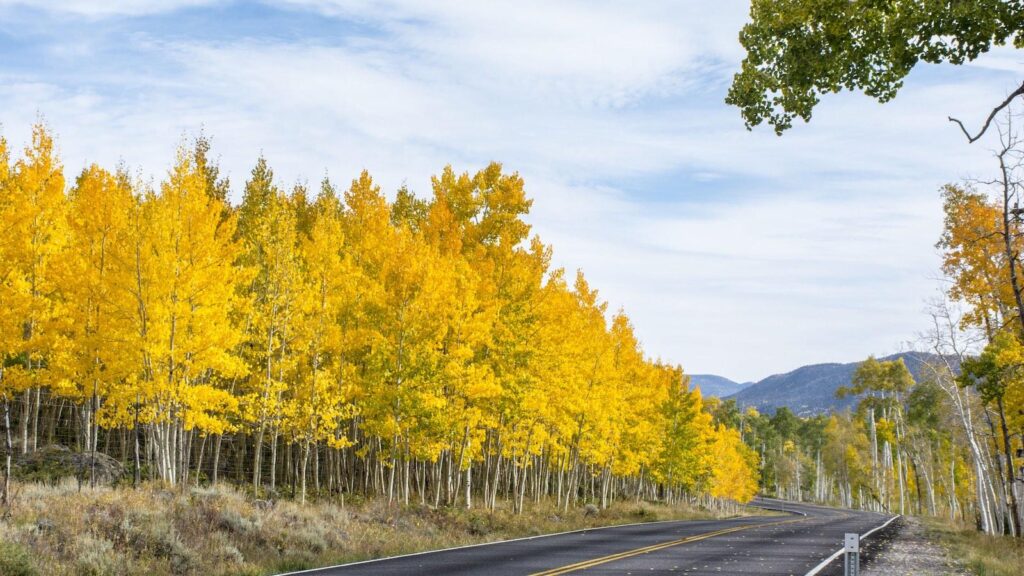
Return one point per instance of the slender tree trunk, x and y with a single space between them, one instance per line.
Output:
5 489
273 460
26 401
305 462
1008 235
1015 520
405 474
199 459
95 431
214 473
138 446
35 417
438 473
256 453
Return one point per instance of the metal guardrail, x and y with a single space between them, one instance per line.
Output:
851 554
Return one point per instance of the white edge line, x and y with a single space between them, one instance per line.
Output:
371 560
839 552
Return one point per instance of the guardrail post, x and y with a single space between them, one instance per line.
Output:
851 555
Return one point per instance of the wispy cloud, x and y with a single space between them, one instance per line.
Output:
106 8
736 252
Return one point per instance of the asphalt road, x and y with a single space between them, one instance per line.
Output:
794 543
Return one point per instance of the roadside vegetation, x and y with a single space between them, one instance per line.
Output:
950 445
421 349
159 530
314 376
982 554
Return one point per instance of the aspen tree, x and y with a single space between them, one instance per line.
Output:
185 290
733 475
93 359
997 370
322 391
37 231
267 226
414 347
9 321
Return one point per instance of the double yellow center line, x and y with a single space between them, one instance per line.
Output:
653 548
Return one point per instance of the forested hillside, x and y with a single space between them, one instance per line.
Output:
810 390
712 385
329 341
940 434
951 443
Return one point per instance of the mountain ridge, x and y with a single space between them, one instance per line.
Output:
715 385
811 389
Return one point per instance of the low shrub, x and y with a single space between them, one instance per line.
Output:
161 531
983 554
97 557
15 560
233 521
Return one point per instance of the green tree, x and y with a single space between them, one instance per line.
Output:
1000 366
798 50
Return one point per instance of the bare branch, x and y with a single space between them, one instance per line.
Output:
988 121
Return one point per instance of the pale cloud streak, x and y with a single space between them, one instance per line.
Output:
736 253
106 8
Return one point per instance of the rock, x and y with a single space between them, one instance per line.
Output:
54 463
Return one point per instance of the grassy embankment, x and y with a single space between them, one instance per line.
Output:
982 554
59 530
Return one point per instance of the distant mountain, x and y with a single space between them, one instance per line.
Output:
712 385
812 389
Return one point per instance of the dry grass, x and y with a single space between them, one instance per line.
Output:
982 554
61 531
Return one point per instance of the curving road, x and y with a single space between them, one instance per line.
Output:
796 543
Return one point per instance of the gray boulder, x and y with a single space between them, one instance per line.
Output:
54 463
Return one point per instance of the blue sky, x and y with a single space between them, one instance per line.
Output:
735 252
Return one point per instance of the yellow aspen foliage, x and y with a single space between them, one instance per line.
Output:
685 459
182 296
268 229
644 391
974 256
322 389
414 347
409 285
846 443
328 296
10 321
35 234
981 244
93 360
734 466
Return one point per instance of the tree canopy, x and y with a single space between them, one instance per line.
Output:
407 346
798 50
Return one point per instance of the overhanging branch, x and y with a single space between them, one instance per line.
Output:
988 121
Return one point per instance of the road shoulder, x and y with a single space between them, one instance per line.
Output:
906 549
